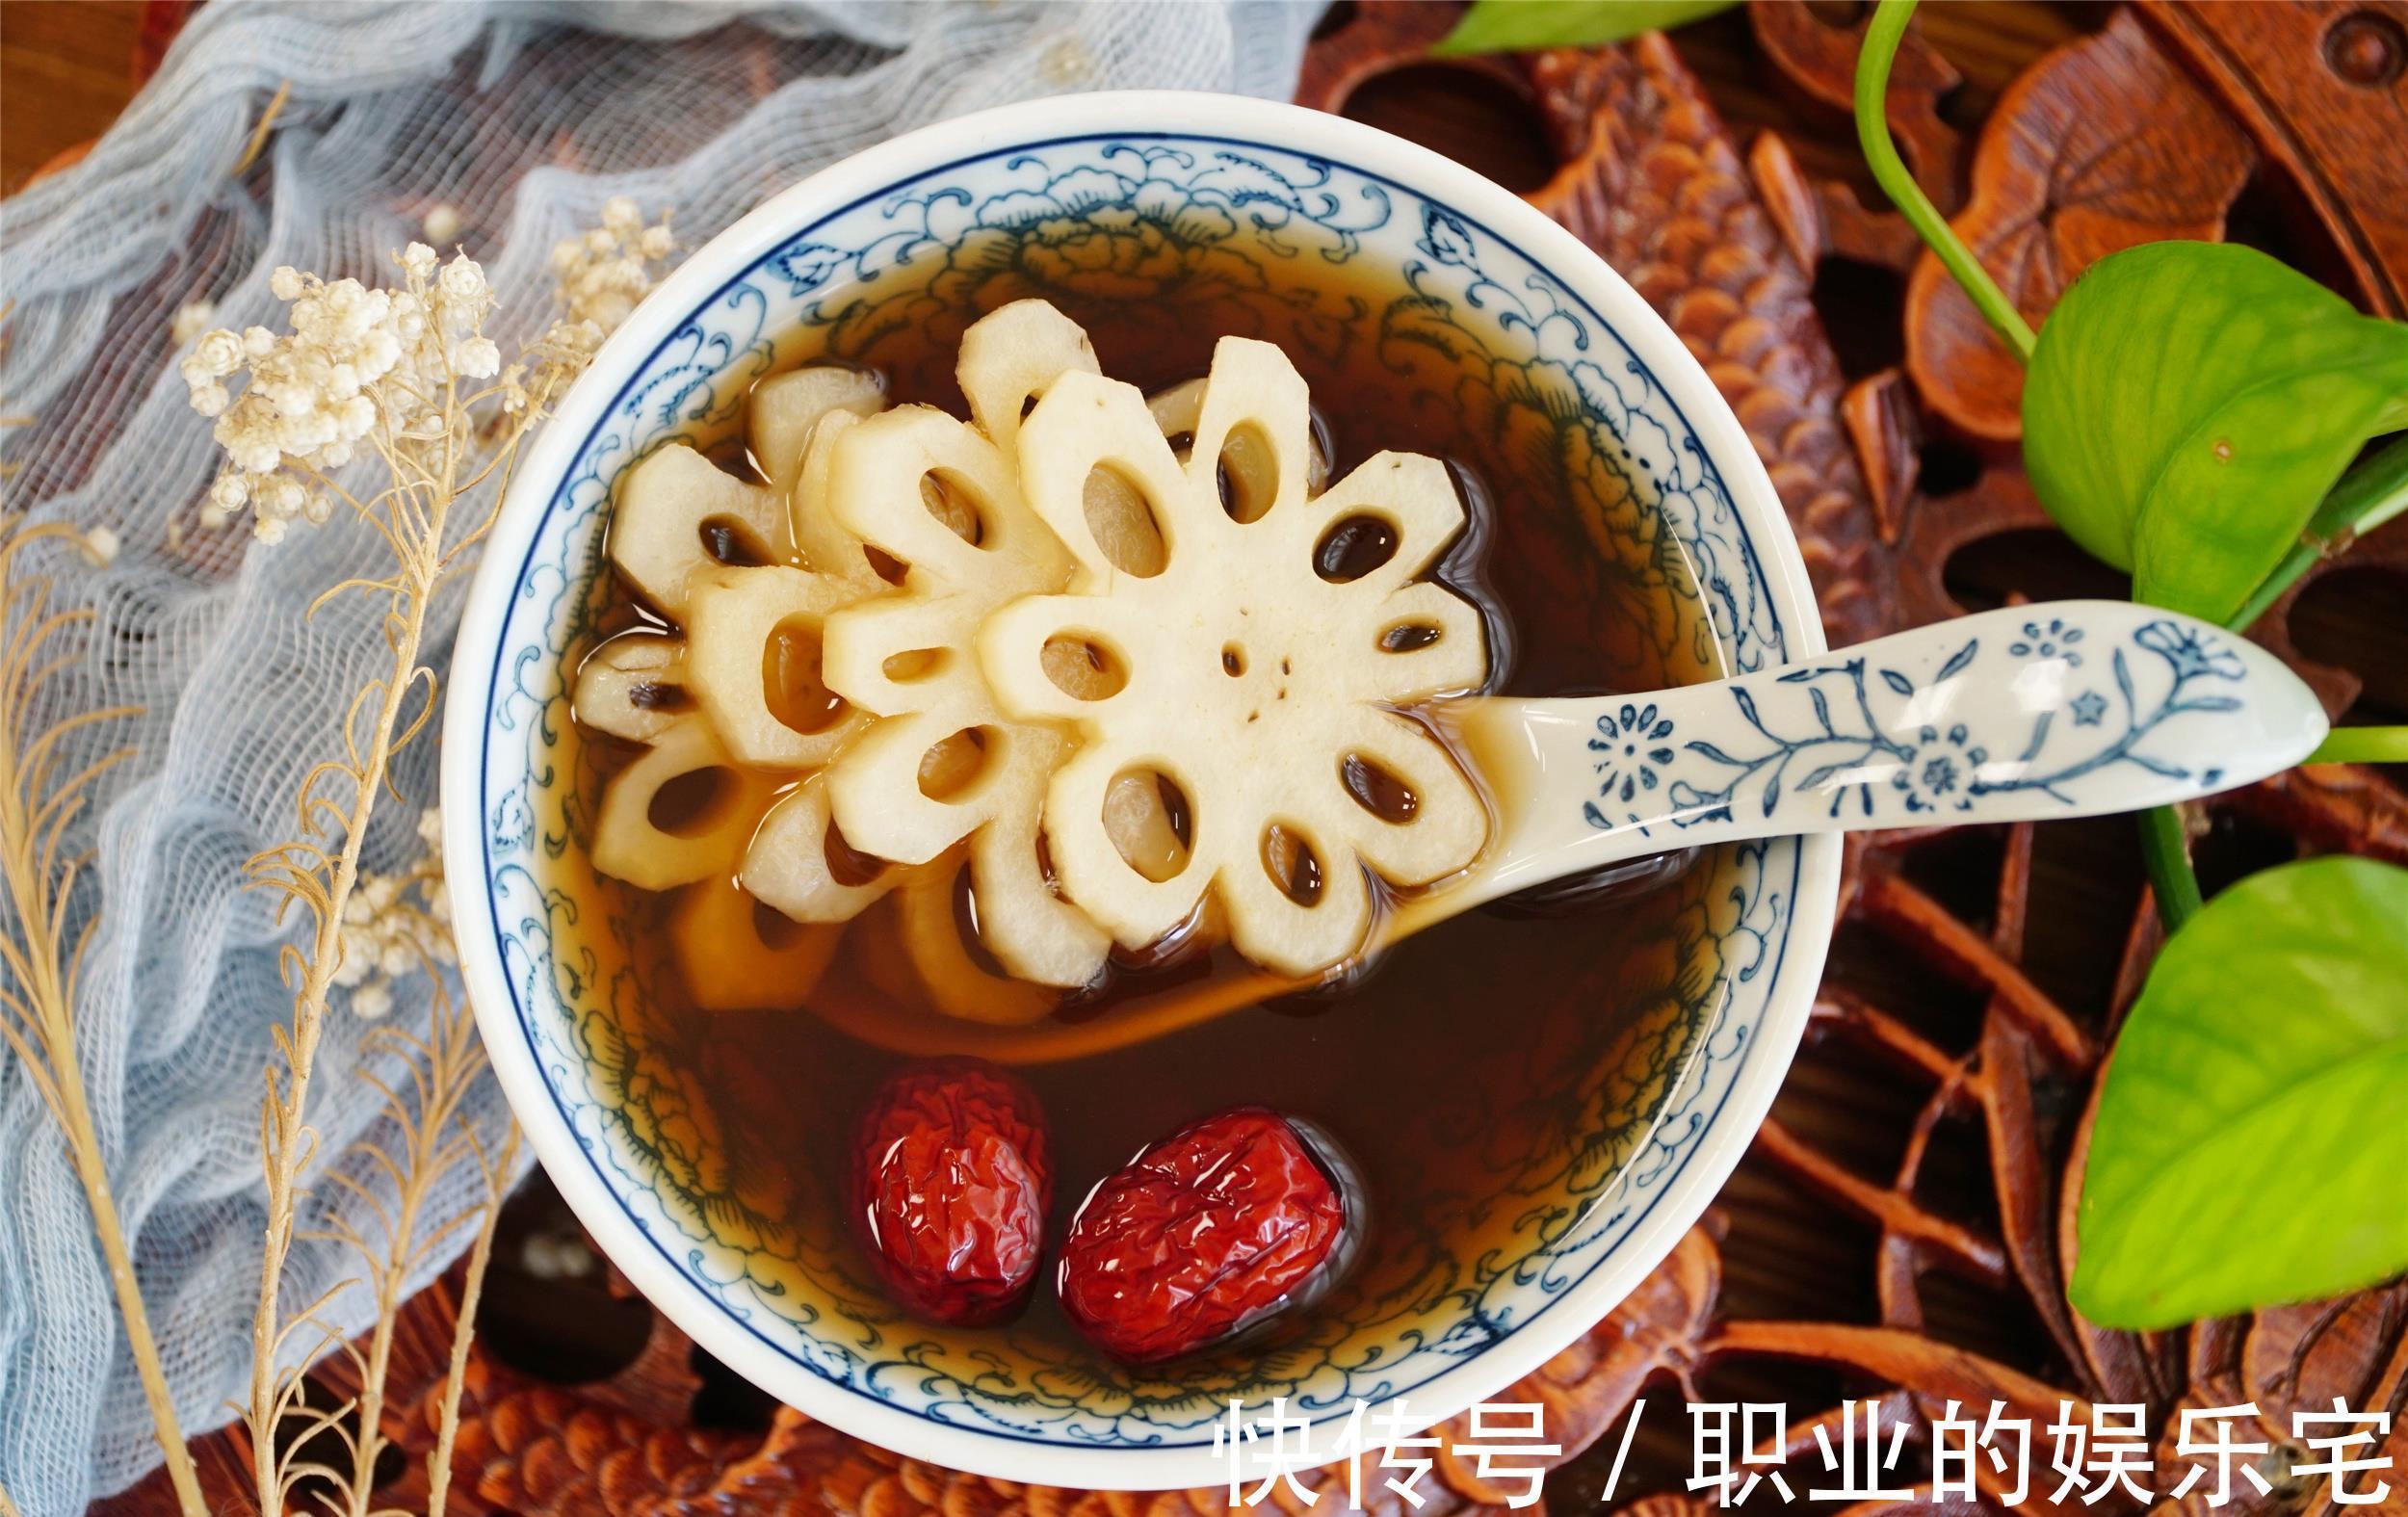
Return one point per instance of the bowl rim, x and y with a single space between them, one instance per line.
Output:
467 722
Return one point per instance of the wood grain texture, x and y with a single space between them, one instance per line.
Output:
624 1445
1903 1228
1817 51
66 69
1986 43
2104 144
2323 87
1651 181
1655 183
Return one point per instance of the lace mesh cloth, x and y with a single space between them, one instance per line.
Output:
523 119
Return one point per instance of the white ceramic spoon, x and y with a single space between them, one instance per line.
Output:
2065 709
2062 709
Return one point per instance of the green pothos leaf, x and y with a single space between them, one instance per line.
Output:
2187 405
2250 1146
1514 26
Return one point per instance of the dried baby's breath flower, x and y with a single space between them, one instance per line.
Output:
100 547
442 225
408 376
360 370
548 363
191 319
394 924
547 1257
604 273
1068 63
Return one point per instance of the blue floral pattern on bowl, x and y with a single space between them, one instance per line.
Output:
1172 214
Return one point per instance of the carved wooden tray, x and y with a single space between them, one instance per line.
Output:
1902 1229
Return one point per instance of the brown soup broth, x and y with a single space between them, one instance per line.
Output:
1472 1073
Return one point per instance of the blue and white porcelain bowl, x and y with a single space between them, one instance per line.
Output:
1124 189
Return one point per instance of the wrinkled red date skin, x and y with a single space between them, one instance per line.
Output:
1199 1236
950 1186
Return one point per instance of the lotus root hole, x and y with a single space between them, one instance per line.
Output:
1084 667
914 664
847 865
1378 790
692 803
885 566
949 500
1148 818
1409 637
1127 529
952 764
1248 473
791 682
1288 859
729 541
1353 547
776 931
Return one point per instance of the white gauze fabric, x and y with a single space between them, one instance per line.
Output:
525 118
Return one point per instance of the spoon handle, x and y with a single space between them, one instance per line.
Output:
2067 709
2063 708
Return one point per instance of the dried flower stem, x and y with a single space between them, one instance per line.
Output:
258 141
286 1142
337 801
434 1138
464 1325
36 807
391 372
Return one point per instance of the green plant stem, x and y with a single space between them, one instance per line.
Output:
2362 746
2167 852
1514 26
2175 883
2372 493
1872 130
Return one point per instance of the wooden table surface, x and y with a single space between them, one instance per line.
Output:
66 69
67 66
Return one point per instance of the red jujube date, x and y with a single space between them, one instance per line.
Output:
1204 1234
950 1182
